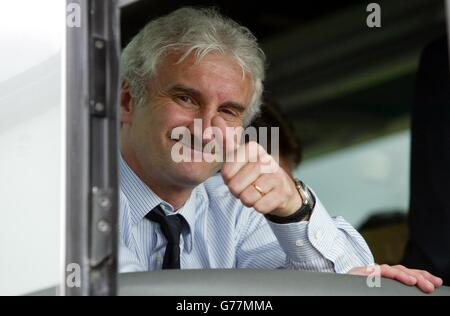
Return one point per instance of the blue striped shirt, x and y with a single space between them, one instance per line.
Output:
222 233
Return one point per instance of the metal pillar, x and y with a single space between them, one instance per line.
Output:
92 100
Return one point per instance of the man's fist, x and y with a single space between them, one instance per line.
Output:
272 192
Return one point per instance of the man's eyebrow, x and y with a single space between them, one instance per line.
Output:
184 89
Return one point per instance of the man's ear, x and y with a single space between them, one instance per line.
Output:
126 103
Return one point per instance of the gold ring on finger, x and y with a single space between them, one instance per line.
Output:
257 188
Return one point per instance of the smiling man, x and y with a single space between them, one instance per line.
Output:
191 65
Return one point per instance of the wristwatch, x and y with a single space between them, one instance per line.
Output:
303 212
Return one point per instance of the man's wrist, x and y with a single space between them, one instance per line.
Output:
298 216
303 213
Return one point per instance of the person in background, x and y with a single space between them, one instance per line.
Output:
289 150
429 215
386 233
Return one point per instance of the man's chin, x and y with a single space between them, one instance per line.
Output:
195 173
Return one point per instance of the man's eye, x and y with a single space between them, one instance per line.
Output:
229 112
184 98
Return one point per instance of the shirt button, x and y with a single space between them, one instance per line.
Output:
299 243
318 235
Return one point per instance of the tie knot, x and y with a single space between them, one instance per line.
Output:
171 225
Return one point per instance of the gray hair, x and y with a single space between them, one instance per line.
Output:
186 30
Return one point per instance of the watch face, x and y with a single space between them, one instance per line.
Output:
303 192
308 198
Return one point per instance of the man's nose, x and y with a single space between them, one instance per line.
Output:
201 127
208 134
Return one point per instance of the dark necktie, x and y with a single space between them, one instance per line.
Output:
171 227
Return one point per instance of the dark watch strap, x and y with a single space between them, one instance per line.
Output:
298 216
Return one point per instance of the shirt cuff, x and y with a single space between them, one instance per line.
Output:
307 241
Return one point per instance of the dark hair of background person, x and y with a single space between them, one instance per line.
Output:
290 149
429 215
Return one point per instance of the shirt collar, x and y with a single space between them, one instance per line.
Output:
142 199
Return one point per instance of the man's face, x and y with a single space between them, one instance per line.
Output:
211 88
